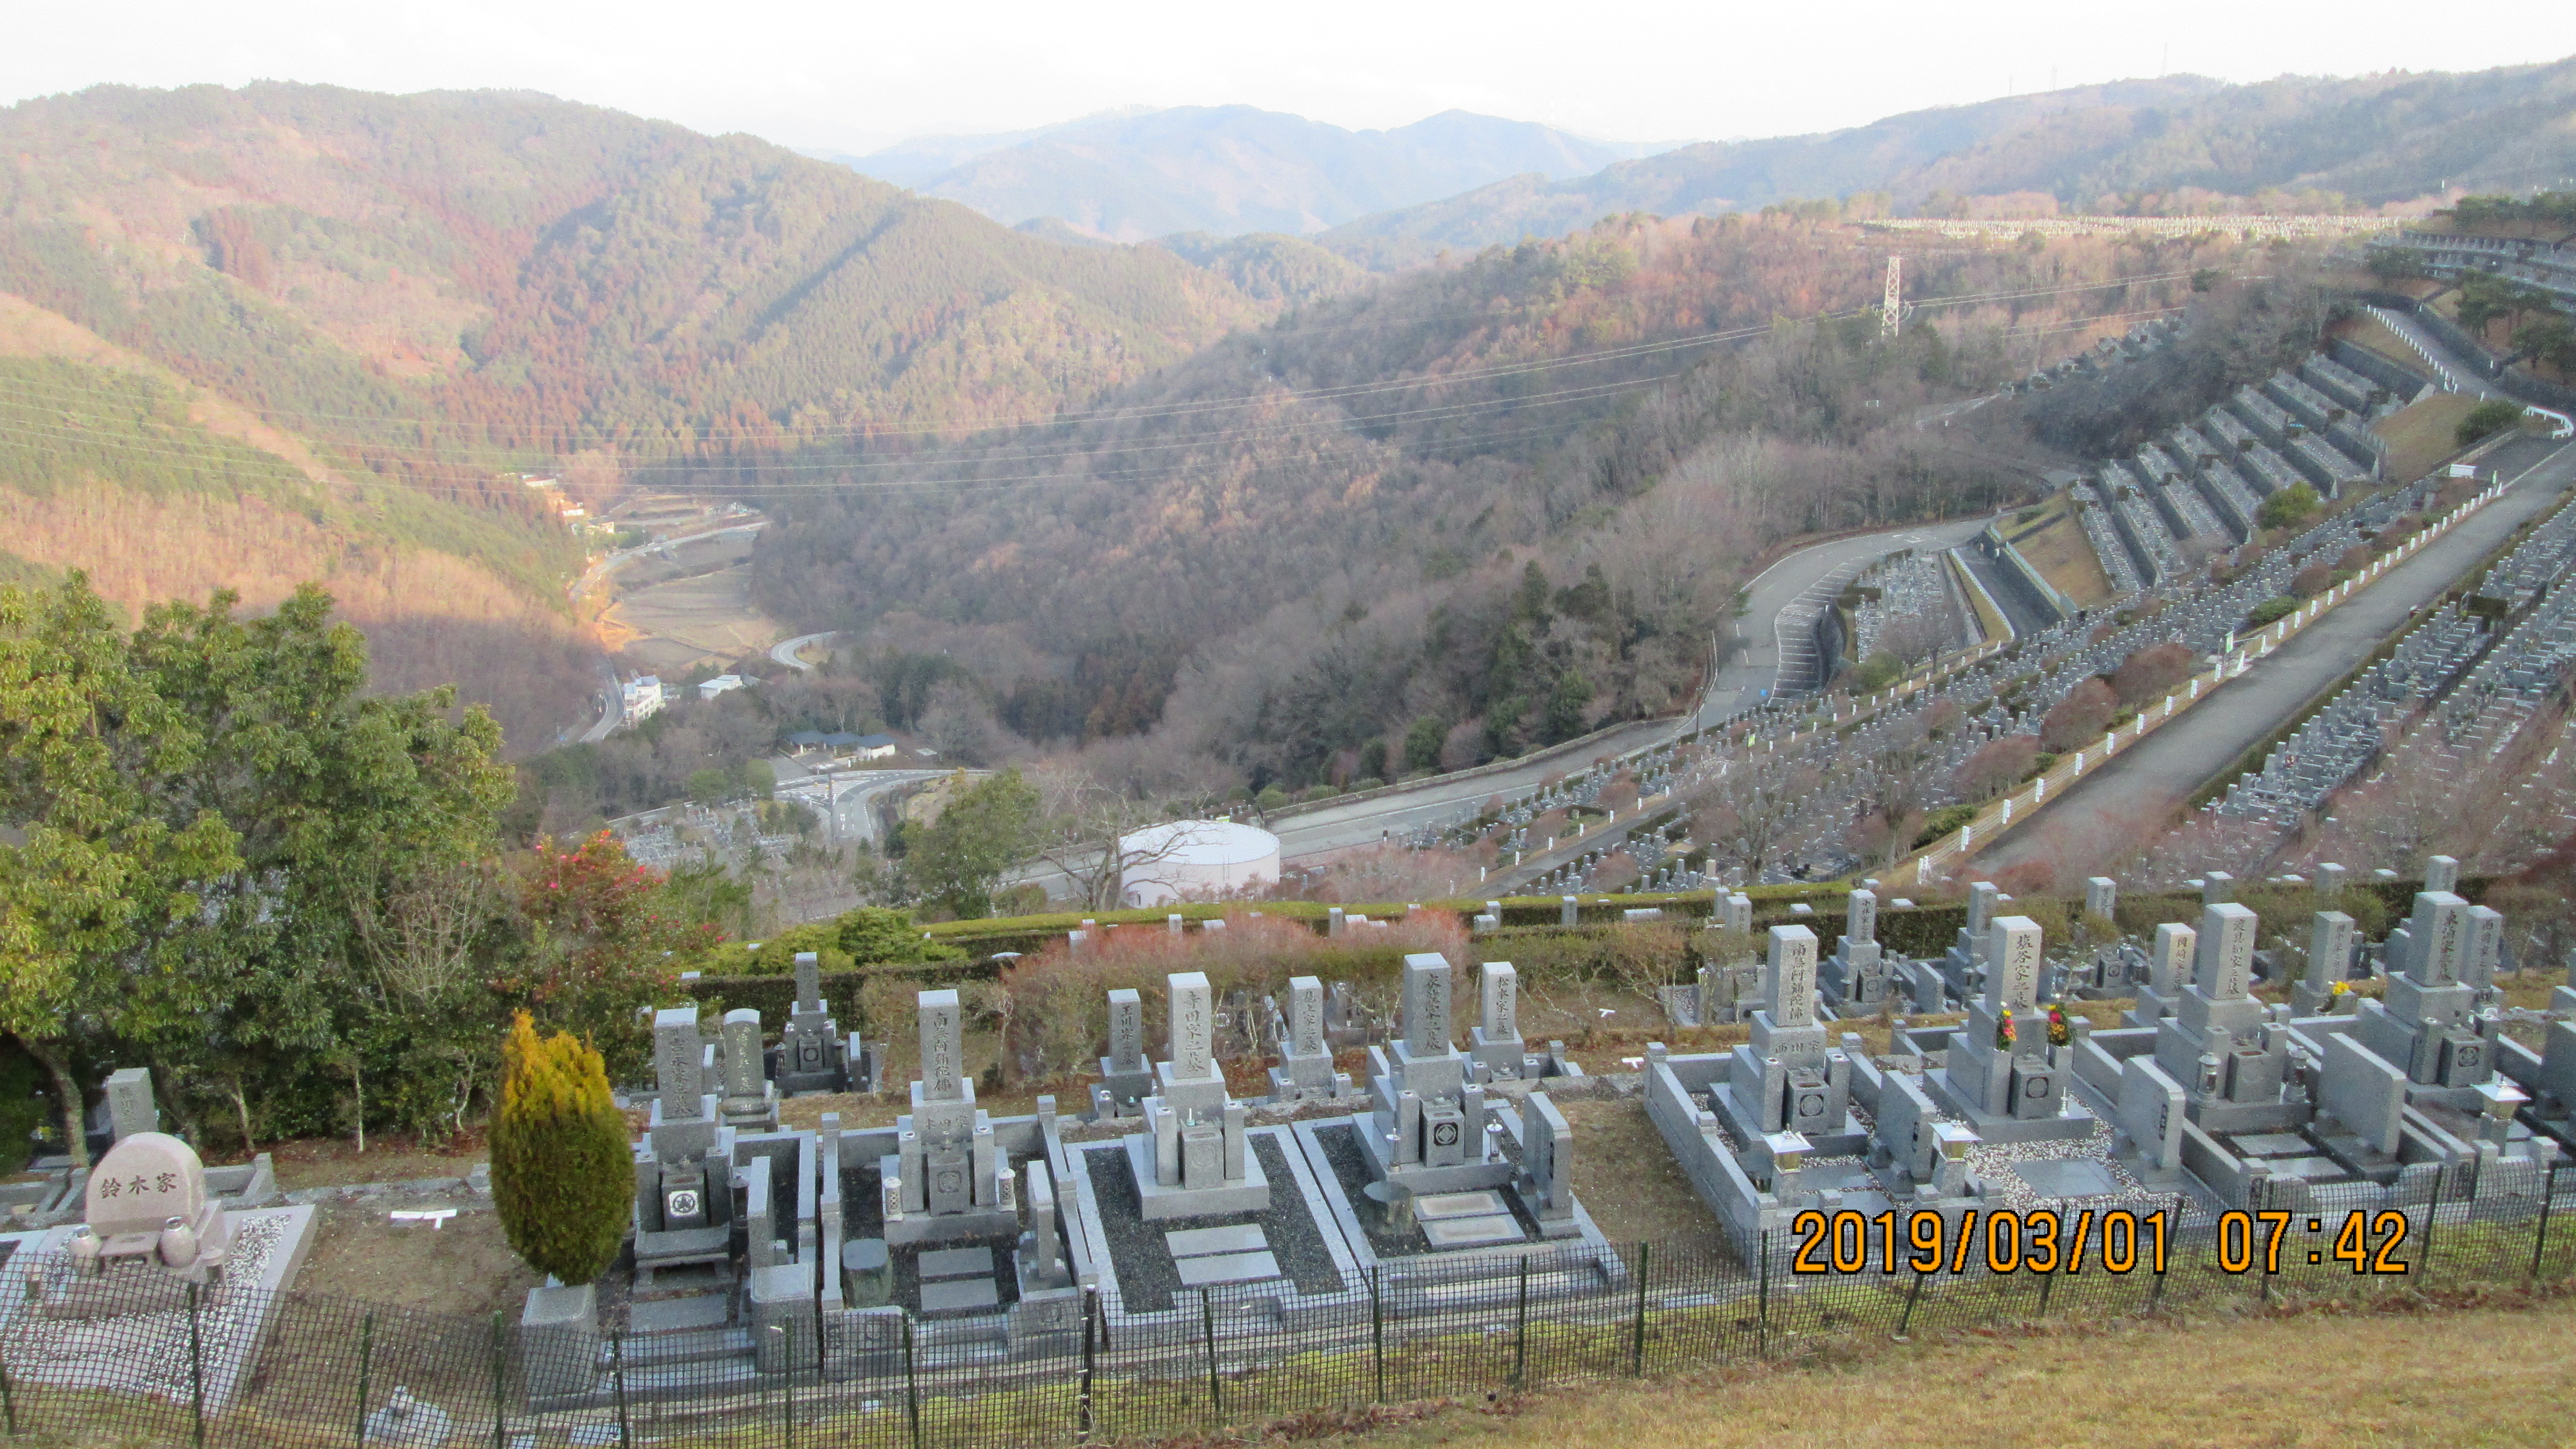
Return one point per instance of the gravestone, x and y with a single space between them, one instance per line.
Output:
2150 1115
2424 1025
750 1102
1788 1078
2101 896
1191 1158
2441 873
946 1177
1126 1078
1855 978
1430 1113
2169 963
1495 1041
2329 886
147 1204
2001 1073
1305 1071
1547 1166
2329 964
812 1054
2220 1044
130 1108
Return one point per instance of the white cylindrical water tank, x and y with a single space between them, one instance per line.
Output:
1196 860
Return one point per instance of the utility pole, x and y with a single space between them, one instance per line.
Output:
1893 306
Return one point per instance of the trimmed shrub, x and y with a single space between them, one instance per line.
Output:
563 1180
2271 611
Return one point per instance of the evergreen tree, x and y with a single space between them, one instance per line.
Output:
563 1179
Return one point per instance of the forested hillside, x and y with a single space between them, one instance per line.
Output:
2176 146
1510 498
435 290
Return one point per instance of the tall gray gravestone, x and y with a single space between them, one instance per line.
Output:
947 1175
1495 1041
1126 1078
2219 1044
2424 1025
2001 1073
1192 1158
1788 1079
1430 1110
812 1054
1305 1071
1855 978
2330 942
750 1102
130 1108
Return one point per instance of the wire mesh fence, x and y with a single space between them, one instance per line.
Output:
157 1362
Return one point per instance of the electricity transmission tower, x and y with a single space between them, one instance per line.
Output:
1893 307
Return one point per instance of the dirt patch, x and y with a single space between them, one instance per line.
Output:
1625 1178
390 1157
463 1265
680 623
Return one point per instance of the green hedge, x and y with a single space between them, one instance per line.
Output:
1918 931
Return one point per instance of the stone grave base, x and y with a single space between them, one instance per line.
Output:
1374 1128
146 1352
1247 1194
1458 1234
1996 1128
1286 1259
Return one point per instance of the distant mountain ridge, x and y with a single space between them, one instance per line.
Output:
2129 144
1226 170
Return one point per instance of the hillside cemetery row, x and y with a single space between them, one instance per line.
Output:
1437 1181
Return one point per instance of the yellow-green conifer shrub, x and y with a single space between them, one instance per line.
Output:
563 1178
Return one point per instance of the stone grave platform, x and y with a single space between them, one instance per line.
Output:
1476 1227
146 1352
1287 1259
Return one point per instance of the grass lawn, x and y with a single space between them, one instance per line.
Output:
2420 435
2457 1378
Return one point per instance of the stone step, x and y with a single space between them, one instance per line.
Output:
653 1350
697 1311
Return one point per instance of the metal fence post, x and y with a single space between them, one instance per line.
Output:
2432 1216
786 1386
2540 1230
1762 1342
1207 1326
1637 1346
1377 1325
1520 1328
500 1401
1913 1295
366 1363
911 1384
8 1400
617 1375
1090 1359
196 1368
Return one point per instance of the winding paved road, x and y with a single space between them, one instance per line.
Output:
1771 636
2080 830
785 651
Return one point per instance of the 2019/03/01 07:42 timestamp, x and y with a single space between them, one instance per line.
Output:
2115 1241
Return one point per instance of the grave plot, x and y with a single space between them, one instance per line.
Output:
1194 1200
161 1289
1433 1178
2256 1106
1984 1119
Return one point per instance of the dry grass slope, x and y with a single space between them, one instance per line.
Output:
2489 1376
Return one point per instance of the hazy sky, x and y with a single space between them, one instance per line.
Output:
858 75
